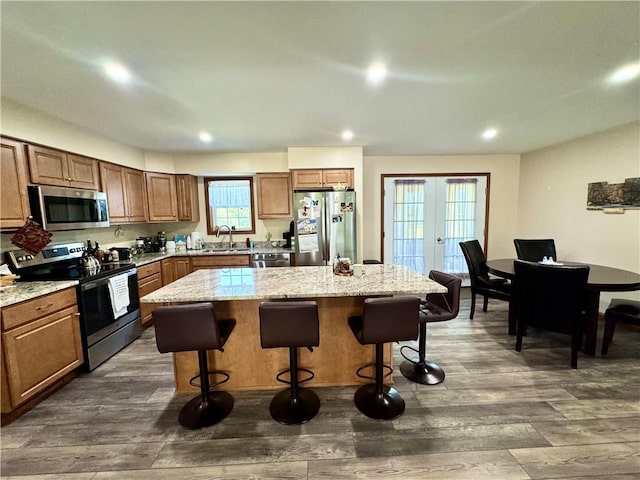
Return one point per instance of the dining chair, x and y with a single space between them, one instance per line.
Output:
481 283
619 310
534 250
551 297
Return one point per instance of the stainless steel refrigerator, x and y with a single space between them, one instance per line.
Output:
325 226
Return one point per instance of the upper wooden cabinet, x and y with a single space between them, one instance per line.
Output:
274 195
54 167
126 193
187 192
13 185
161 195
321 178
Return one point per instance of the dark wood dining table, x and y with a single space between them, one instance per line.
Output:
601 279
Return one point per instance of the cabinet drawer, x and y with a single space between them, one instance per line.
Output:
220 261
148 269
149 284
16 315
41 352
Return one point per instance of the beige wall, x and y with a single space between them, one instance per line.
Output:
504 170
21 122
553 198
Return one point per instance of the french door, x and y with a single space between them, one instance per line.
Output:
425 218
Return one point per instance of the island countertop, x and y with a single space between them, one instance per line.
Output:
293 282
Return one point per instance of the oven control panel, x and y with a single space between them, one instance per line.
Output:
19 259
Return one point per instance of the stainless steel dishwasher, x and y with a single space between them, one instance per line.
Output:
265 260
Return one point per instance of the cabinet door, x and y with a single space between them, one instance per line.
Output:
168 271
161 192
113 184
187 193
136 191
274 195
13 185
334 177
182 267
48 166
303 179
83 172
41 352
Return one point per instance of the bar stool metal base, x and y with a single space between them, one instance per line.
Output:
380 406
426 373
199 413
290 410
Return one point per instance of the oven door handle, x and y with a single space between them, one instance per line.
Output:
103 281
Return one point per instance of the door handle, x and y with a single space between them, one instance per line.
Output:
440 240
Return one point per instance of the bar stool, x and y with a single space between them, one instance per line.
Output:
388 319
183 328
437 307
291 325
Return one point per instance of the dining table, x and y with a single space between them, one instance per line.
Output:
601 279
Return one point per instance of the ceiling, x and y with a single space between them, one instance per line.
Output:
264 76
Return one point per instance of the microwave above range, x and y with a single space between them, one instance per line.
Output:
61 208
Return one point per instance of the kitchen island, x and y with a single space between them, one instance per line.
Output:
237 293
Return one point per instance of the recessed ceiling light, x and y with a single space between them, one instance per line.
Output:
117 72
205 137
347 135
376 73
626 73
489 133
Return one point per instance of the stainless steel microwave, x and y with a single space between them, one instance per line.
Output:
60 208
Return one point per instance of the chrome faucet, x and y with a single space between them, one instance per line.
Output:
228 230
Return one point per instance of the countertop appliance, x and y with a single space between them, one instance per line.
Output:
108 300
266 260
61 208
325 226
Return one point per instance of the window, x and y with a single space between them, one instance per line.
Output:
229 202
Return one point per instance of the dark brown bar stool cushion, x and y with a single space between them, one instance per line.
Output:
183 328
194 327
387 319
437 307
289 324
619 310
383 320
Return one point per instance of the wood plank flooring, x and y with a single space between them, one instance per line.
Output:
498 415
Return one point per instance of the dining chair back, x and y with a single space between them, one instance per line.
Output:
619 310
481 283
551 297
534 250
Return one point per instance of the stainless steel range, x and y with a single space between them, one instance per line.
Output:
108 299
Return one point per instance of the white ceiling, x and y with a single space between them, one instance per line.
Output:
264 76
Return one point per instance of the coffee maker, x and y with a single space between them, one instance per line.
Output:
287 236
161 240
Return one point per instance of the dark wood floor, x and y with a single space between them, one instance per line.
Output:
499 414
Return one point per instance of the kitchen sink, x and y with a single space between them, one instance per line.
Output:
226 250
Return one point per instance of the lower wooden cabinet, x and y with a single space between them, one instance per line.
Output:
149 280
41 344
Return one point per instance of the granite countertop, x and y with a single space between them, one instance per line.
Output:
292 282
22 291
146 258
